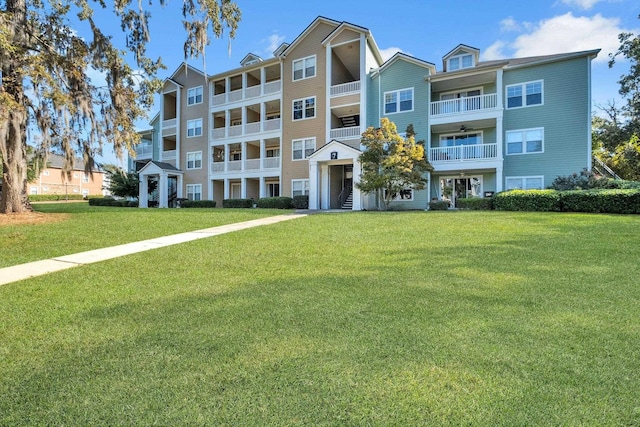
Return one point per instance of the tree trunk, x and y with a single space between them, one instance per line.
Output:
13 117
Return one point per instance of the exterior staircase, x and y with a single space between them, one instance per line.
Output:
350 121
602 169
348 202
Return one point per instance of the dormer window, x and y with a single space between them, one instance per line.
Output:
460 61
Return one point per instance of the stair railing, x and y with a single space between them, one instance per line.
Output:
344 195
604 166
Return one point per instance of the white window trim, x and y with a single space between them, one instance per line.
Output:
397 91
523 85
304 186
467 90
470 132
194 133
196 95
304 148
194 161
524 180
304 117
304 76
193 191
460 56
524 142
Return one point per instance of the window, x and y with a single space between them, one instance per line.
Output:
194 191
398 101
304 68
194 128
525 141
194 160
194 95
299 187
302 148
304 108
460 61
85 193
524 182
33 190
45 172
273 189
85 177
405 195
524 95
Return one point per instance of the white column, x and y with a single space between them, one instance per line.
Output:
499 138
226 157
499 90
243 154
243 188
263 153
263 80
263 187
499 179
226 188
325 200
313 185
357 195
143 192
179 186
428 189
163 192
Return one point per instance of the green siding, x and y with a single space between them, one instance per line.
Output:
564 116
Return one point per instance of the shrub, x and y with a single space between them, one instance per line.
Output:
602 201
100 201
237 203
110 201
476 203
54 197
439 205
198 204
585 180
301 202
275 202
527 200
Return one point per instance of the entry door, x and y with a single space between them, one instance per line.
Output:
236 190
467 187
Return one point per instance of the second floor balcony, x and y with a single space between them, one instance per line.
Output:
270 125
248 165
464 105
463 153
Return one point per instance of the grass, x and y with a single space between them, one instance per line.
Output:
82 227
437 318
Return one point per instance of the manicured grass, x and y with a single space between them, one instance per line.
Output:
80 227
436 318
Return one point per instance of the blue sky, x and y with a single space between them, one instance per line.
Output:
424 29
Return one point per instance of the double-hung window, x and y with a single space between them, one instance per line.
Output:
525 141
302 148
304 68
194 160
525 94
398 101
194 128
299 187
194 95
194 191
460 61
524 182
304 108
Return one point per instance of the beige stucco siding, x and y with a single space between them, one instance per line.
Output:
315 86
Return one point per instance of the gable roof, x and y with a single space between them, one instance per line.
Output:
310 27
357 28
165 167
401 56
332 143
250 59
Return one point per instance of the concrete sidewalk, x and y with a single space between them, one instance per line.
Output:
38 268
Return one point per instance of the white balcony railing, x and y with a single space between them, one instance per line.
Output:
271 125
345 88
471 104
252 164
217 166
246 165
463 153
272 162
246 93
235 130
252 128
171 123
144 151
169 155
234 165
218 133
248 129
345 133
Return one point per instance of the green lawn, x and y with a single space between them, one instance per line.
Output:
423 318
91 227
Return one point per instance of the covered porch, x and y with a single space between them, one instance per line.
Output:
160 185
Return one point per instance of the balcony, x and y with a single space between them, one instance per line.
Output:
144 151
463 153
248 165
270 125
345 133
246 93
345 89
169 155
466 105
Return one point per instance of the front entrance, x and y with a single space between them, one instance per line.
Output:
341 186
456 188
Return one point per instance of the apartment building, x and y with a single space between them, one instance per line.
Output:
291 124
52 180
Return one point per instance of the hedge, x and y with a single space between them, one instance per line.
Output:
109 201
275 203
54 197
301 202
198 204
602 201
528 200
476 203
439 205
237 203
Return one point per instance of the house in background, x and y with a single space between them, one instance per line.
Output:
53 181
291 125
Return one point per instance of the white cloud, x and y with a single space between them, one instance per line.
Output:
564 33
273 42
509 24
581 4
389 52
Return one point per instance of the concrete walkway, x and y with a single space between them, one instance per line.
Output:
38 268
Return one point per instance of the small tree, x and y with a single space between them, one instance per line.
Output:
390 163
123 184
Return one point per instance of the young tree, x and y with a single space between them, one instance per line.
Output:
390 163
121 183
45 85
